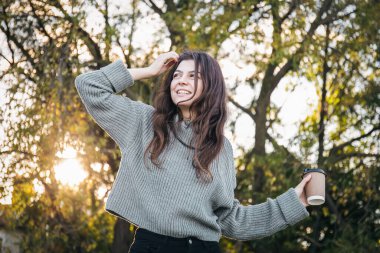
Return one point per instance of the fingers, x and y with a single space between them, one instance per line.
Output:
163 62
304 181
173 55
170 62
170 58
299 188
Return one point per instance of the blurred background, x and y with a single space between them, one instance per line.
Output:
304 91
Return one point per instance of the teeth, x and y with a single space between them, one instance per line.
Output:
183 92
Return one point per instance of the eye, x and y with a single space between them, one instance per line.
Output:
175 75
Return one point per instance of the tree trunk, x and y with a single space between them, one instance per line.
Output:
321 136
260 136
123 237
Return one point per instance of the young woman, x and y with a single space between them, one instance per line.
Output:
177 178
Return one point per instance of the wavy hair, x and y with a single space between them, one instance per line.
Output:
210 111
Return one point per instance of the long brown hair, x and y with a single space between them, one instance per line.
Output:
209 110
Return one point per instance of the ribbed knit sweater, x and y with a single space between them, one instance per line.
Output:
171 200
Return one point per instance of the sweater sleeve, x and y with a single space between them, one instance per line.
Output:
119 116
250 222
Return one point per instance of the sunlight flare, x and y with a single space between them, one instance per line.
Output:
69 171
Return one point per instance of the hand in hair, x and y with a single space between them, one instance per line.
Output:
160 65
163 63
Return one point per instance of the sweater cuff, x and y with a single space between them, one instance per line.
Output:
291 207
118 75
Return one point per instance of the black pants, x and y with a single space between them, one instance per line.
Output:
148 242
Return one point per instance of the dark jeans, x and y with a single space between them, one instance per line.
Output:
148 242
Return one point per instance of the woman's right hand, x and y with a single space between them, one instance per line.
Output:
163 62
300 190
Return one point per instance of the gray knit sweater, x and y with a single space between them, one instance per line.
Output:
170 200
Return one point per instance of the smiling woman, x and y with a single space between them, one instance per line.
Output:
168 191
69 171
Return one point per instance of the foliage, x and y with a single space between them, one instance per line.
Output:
331 44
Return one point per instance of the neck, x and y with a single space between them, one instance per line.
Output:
186 115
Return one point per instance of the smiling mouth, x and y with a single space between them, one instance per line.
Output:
183 92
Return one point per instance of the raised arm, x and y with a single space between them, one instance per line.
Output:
119 116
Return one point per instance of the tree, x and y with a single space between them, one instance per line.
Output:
346 125
43 114
297 40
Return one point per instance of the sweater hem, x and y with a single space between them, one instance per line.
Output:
139 224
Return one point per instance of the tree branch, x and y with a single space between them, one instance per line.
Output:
8 152
284 149
1 54
154 7
39 21
11 37
170 4
335 149
313 27
335 159
292 7
246 110
331 18
92 46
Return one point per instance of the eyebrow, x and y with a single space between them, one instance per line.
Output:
193 71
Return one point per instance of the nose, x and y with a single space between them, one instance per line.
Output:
182 81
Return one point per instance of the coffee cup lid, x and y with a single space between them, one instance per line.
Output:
305 171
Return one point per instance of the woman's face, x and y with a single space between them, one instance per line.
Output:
182 87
